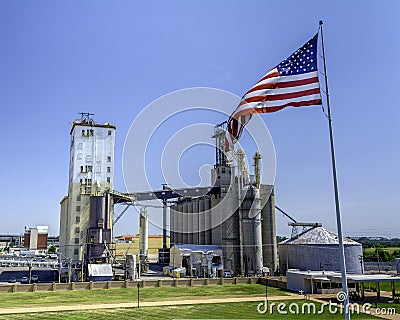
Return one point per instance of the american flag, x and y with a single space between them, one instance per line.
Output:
292 83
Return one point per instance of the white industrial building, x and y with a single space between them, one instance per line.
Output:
198 260
91 173
327 282
313 281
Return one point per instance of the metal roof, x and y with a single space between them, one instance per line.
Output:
194 247
318 235
373 278
336 276
320 278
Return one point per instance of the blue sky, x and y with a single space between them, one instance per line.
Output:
112 58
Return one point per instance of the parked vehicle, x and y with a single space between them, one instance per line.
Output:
34 278
12 280
24 280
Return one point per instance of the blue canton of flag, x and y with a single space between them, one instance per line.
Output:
292 83
302 61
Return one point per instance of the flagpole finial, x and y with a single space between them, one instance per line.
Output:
320 22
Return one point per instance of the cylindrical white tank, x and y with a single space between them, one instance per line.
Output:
190 230
202 220
318 249
143 233
207 220
196 221
255 214
185 218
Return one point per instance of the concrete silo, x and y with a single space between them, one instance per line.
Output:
239 218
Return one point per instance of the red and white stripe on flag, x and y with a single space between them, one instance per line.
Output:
293 83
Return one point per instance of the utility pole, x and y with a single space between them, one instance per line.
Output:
138 296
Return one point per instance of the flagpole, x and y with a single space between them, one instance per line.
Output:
335 186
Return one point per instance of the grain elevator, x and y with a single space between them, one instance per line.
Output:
240 218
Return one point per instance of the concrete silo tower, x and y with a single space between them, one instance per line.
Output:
91 174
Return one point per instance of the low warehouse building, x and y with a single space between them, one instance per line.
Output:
318 249
198 260
328 282
314 281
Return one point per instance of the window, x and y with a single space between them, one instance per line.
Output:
100 223
78 197
78 219
108 180
76 240
83 133
76 251
78 208
108 159
108 169
109 132
85 169
76 229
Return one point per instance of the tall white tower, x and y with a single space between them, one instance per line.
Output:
91 172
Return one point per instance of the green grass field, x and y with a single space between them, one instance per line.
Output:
237 310
388 249
8 300
245 310
384 286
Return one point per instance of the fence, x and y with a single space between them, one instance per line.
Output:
277 282
380 266
40 287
